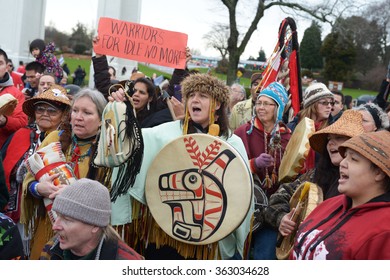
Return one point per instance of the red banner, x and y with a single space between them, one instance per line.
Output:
141 43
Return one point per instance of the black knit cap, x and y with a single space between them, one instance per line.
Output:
37 43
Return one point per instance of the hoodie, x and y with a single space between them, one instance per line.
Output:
335 231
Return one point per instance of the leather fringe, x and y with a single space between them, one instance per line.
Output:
128 172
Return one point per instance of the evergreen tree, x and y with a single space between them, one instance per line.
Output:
262 56
310 48
340 54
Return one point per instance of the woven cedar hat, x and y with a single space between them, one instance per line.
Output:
55 95
314 93
349 124
372 145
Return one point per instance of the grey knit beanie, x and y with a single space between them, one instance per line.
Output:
85 200
314 93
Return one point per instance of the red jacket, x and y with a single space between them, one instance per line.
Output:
17 78
335 231
17 119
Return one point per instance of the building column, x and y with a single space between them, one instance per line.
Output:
22 22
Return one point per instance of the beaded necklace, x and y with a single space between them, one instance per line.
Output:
75 152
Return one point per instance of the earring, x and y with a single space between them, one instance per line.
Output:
148 106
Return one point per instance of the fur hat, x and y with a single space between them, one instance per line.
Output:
207 84
256 76
278 93
85 200
315 92
349 124
372 145
381 119
37 43
55 95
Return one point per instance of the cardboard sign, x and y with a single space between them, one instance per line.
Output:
141 43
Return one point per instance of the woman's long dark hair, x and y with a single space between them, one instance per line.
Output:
154 105
327 175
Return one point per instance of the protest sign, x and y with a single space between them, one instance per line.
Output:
141 43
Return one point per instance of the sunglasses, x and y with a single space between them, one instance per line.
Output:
326 103
51 111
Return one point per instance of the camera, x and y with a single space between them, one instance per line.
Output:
29 92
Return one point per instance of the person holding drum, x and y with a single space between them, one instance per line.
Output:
265 138
77 138
353 225
325 176
206 100
318 102
46 112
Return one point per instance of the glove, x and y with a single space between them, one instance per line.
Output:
264 160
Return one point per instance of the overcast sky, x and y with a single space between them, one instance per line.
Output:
193 17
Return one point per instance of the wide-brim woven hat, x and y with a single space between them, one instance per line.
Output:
55 95
372 145
349 124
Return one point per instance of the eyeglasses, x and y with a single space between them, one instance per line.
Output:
326 103
51 111
265 104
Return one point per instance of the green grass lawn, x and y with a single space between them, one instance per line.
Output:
355 93
74 62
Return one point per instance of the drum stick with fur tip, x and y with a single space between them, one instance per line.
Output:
297 210
304 191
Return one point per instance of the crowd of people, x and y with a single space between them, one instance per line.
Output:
57 203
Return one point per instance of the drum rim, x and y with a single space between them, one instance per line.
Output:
239 157
283 164
284 254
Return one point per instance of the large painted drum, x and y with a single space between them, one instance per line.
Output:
198 189
296 152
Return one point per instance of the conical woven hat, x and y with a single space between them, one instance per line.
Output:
349 124
55 95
